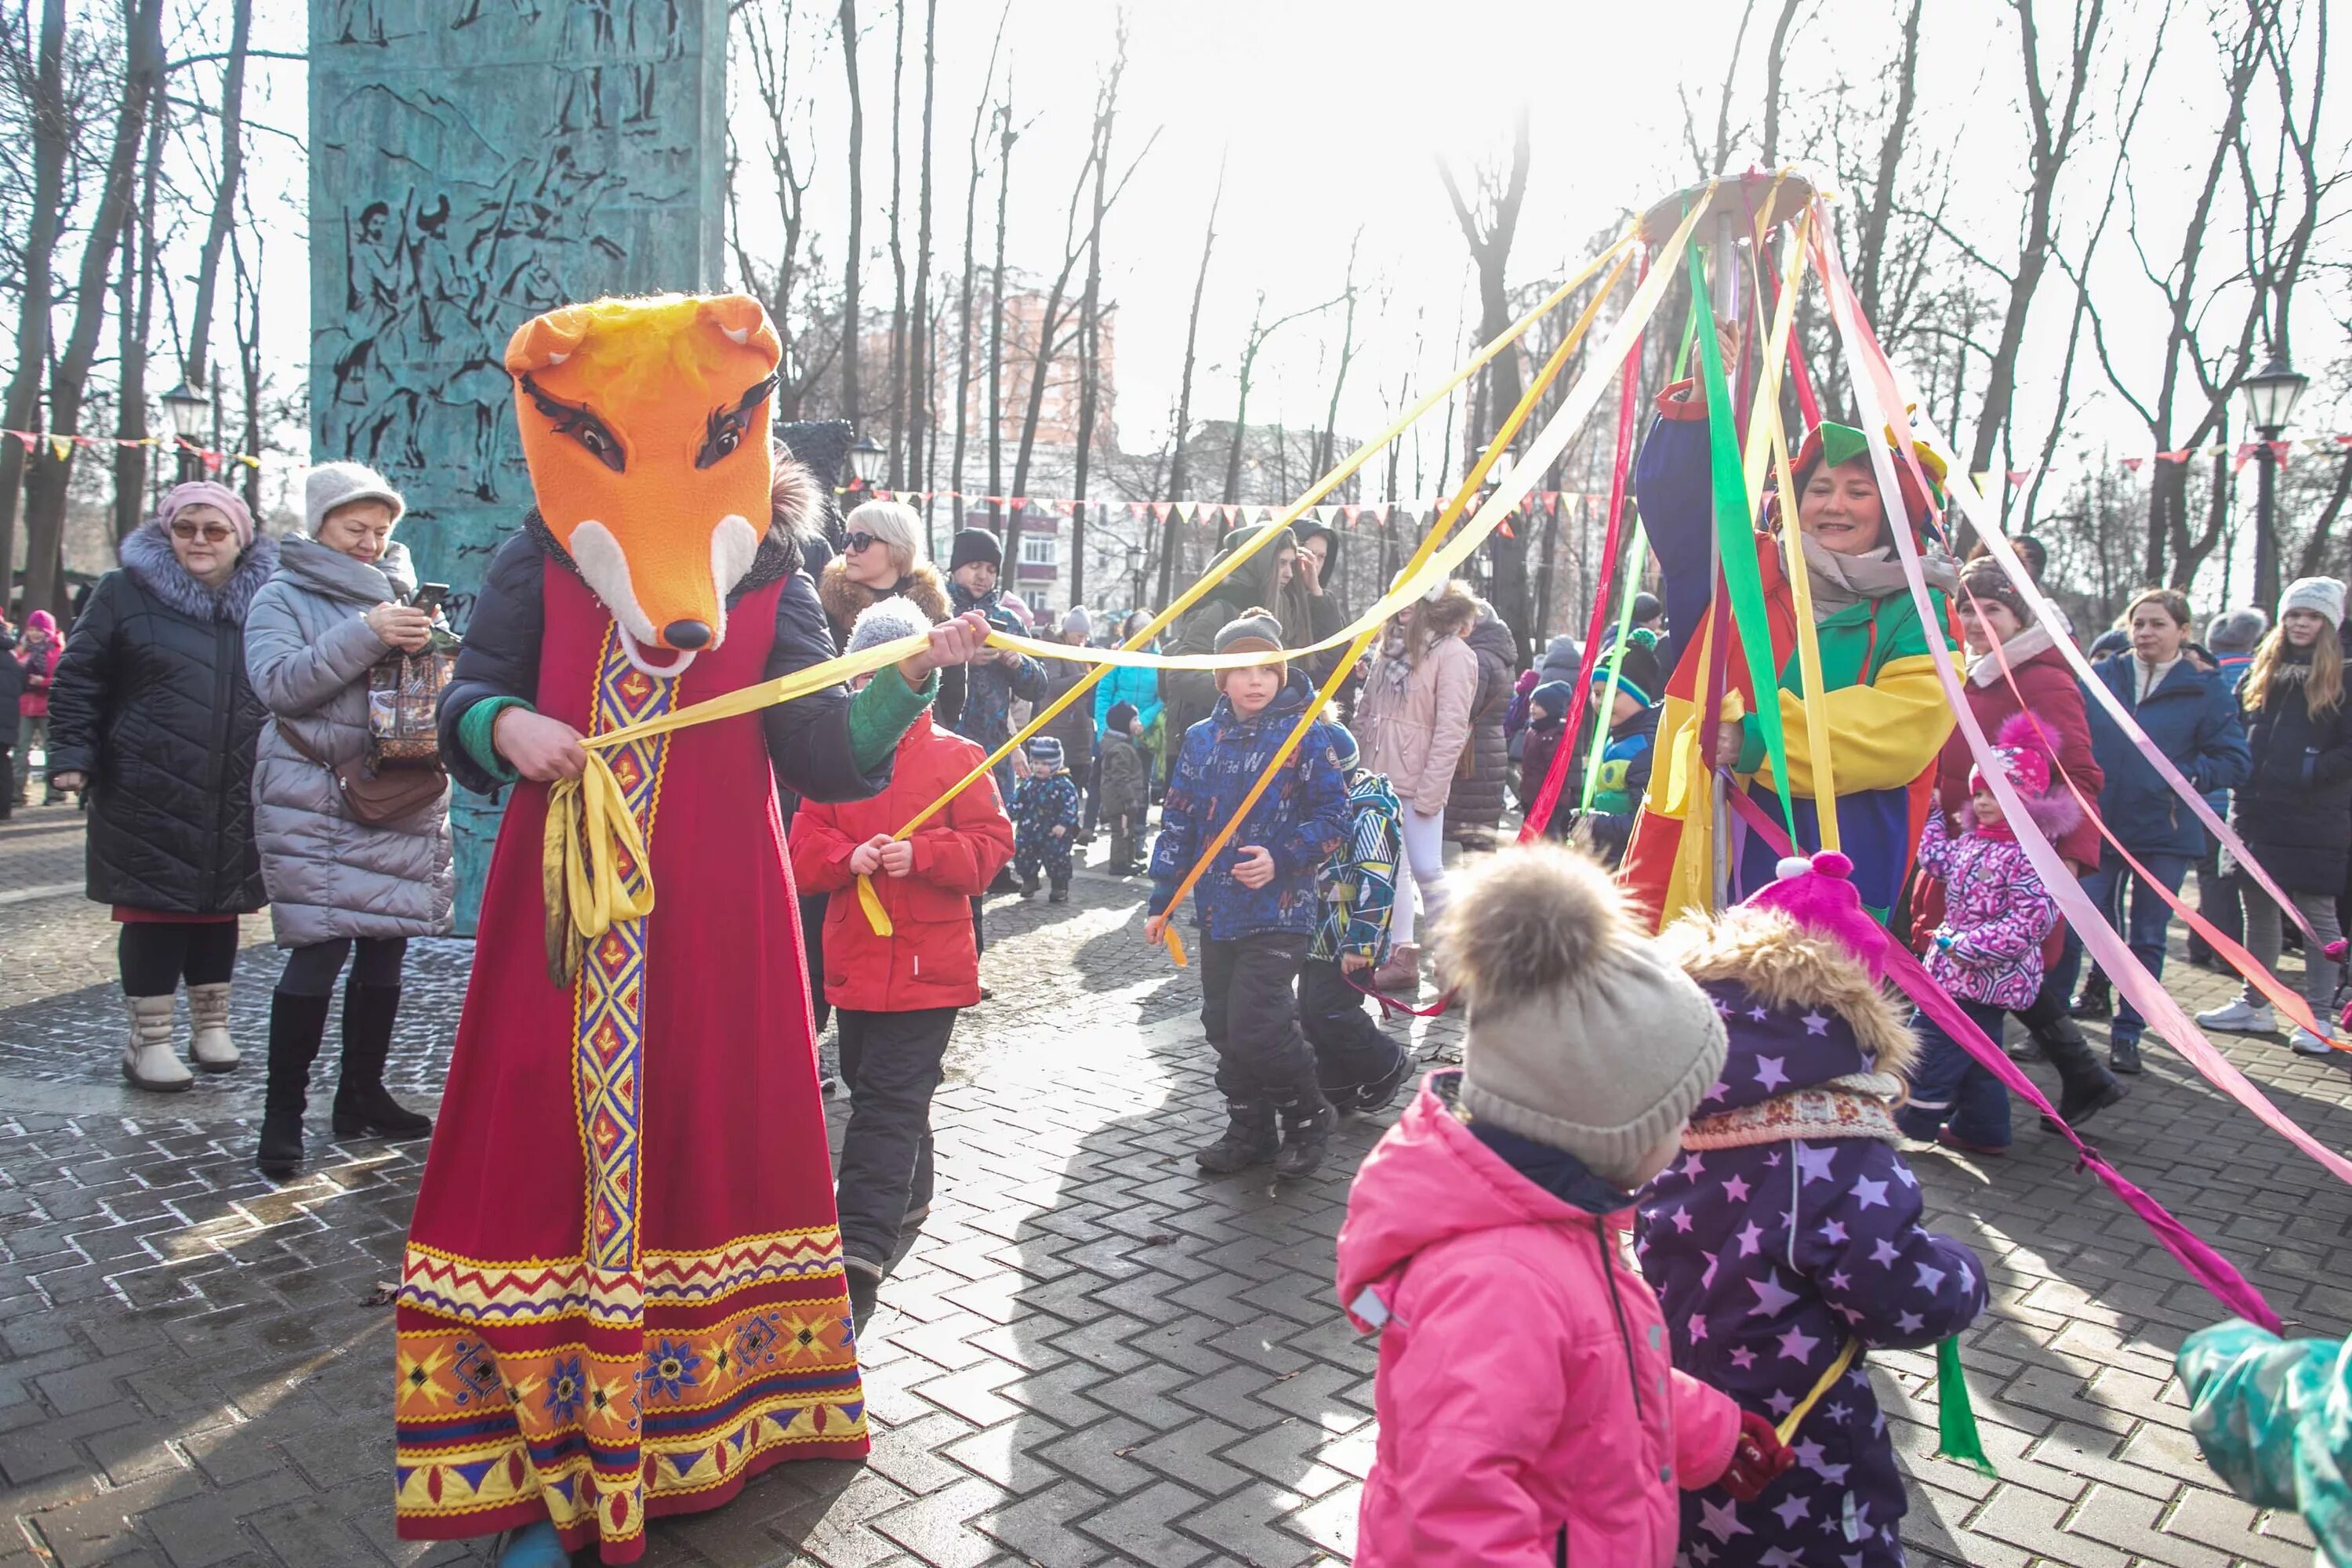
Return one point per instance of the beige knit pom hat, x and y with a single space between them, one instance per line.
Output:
1581 1033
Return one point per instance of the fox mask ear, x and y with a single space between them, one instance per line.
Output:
547 340
743 321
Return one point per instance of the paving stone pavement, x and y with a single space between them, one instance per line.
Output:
1092 1356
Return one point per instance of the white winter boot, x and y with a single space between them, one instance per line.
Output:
212 1049
148 1059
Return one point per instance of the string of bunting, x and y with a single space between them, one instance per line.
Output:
1233 514
62 447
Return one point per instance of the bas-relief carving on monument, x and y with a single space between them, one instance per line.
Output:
475 162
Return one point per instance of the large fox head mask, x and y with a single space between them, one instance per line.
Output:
645 422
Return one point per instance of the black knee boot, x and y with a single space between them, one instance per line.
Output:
296 1026
362 1103
2087 1088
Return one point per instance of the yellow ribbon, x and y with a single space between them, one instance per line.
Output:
1765 437
583 837
1218 571
1470 484
1787 1429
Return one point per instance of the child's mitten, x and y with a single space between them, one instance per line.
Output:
1758 1459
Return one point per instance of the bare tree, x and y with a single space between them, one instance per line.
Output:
45 494
2193 382
919 425
225 190
134 316
1489 229
1774 59
1177 477
898 346
2051 143
1090 321
963 301
778 276
53 134
1006 136
1327 450
852 322
1260 330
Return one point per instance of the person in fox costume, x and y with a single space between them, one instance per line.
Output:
623 1291
1791 1225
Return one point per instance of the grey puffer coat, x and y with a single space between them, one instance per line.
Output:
308 651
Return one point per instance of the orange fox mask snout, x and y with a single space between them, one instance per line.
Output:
644 424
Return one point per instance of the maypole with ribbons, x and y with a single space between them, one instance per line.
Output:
595 866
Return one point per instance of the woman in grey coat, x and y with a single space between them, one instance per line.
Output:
334 609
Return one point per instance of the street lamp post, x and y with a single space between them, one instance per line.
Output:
2269 396
190 413
865 460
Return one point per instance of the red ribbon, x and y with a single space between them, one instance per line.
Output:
1622 466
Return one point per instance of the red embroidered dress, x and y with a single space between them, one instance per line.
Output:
622 1293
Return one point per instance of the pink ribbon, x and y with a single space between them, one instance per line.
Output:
1874 380
2204 1265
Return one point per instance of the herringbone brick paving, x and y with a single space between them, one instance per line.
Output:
1092 1356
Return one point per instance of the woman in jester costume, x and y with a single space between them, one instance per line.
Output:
623 1294
1790 1225
1887 718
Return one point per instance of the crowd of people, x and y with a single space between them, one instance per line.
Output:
1637 1042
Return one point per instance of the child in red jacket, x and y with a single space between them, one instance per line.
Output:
1529 1413
896 997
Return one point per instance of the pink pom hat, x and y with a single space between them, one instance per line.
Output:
1818 893
2025 749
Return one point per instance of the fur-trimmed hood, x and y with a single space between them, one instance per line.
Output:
844 599
147 555
1801 1011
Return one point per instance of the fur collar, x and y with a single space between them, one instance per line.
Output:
923 587
1784 964
147 556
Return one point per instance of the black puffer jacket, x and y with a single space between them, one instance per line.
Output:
1476 806
2294 810
151 703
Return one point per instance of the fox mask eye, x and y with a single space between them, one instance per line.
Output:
727 426
578 421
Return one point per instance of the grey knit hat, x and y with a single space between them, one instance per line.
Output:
1581 1033
2236 631
332 485
1044 752
2324 594
886 620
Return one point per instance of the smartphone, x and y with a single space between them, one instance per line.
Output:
429 597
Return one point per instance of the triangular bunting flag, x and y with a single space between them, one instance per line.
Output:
2279 449
2131 464
2179 456
2019 476
2245 453
61 446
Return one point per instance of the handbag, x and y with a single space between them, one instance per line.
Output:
372 797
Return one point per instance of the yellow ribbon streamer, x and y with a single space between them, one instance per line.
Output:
1470 484
1767 439
582 835
1787 1429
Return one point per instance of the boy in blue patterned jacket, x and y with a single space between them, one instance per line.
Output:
1359 1066
1046 816
1256 907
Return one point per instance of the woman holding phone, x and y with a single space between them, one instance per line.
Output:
340 888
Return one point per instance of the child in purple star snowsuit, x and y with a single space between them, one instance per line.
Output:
1791 1225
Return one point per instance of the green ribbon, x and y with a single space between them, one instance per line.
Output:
1957 1438
1743 579
1632 569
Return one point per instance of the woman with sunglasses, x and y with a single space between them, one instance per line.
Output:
152 716
882 558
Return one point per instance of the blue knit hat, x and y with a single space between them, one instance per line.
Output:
1044 752
1637 669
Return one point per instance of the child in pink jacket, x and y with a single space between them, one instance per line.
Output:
1529 1410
